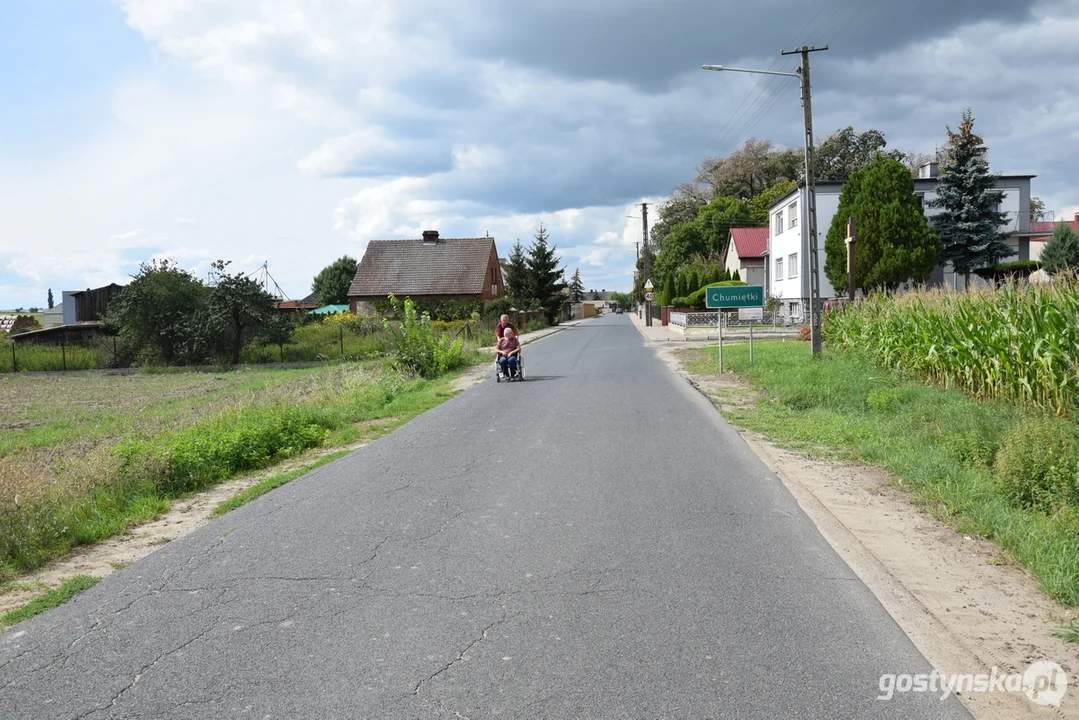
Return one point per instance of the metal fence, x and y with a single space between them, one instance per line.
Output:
729 319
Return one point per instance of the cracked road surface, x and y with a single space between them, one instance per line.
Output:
593 542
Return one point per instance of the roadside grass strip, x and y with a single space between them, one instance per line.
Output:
265 486
53 598
967 461
1069 632
81 495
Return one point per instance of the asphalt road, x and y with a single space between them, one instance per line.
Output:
593 542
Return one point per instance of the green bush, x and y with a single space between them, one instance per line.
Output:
359 337
535 324
696 300
418 347
1038 462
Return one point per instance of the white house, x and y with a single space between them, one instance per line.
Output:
787 268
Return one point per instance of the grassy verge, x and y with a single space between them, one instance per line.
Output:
270 483
109 466
939 443
54 598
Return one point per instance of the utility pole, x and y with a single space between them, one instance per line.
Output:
647 262
811 196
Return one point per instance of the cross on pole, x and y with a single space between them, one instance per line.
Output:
852 238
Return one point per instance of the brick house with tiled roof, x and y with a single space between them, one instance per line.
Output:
431 268
746 251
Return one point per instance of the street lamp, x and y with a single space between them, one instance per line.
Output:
811 185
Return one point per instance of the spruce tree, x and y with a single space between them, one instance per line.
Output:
517 285
969 223
576 287
545 277
51 303
1061 251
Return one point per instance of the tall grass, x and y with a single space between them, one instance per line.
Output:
35 358
1020 342
133 478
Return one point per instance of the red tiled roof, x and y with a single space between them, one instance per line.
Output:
750 242
451 266
1048 227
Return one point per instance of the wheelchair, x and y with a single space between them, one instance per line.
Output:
499 377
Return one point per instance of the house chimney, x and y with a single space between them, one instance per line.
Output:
929 170
430 237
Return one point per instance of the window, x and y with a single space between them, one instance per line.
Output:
777 223
779 268
920 197
792 213
792 265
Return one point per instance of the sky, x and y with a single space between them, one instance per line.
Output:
292 132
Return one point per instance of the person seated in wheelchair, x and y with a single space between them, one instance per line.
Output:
508 349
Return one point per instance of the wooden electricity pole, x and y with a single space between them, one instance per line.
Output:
647 262
811 197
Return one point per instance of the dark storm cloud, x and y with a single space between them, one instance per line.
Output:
651 42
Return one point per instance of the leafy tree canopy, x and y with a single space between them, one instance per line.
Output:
332 282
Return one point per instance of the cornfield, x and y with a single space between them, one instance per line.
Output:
1019 342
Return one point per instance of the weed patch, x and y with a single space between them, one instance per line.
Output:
50 600
269 484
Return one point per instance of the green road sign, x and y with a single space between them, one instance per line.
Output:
735 296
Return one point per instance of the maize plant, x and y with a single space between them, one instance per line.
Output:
1018 342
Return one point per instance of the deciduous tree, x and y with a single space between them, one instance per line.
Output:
846 151
333 281
155 310
239 302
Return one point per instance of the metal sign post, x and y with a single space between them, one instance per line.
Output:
751 314
719 328
733 296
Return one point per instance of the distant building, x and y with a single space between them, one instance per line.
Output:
787 269
1040 232
746 248
431 268
79 312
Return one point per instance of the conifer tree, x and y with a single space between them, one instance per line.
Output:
545 278
969 223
